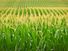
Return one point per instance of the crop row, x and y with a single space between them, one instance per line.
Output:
33 12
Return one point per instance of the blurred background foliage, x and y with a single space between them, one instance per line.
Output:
34 3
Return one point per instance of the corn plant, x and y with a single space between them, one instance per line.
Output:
12 12
40 12
64 11
8 12
36 11
56 12
4 11
32 11
20 12
60 12
28 10
44 11
24 12
53 12
16 12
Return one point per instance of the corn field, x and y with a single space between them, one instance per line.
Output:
28 12
34 29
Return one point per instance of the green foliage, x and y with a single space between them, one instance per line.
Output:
47 11
64 11
32 12
20 12
44 11
0 11
34 3
39 35
4 11
40 12
61 12
12 12
16 12
35 36
8 12
28 10
25 12
37 13
56 12
53 12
